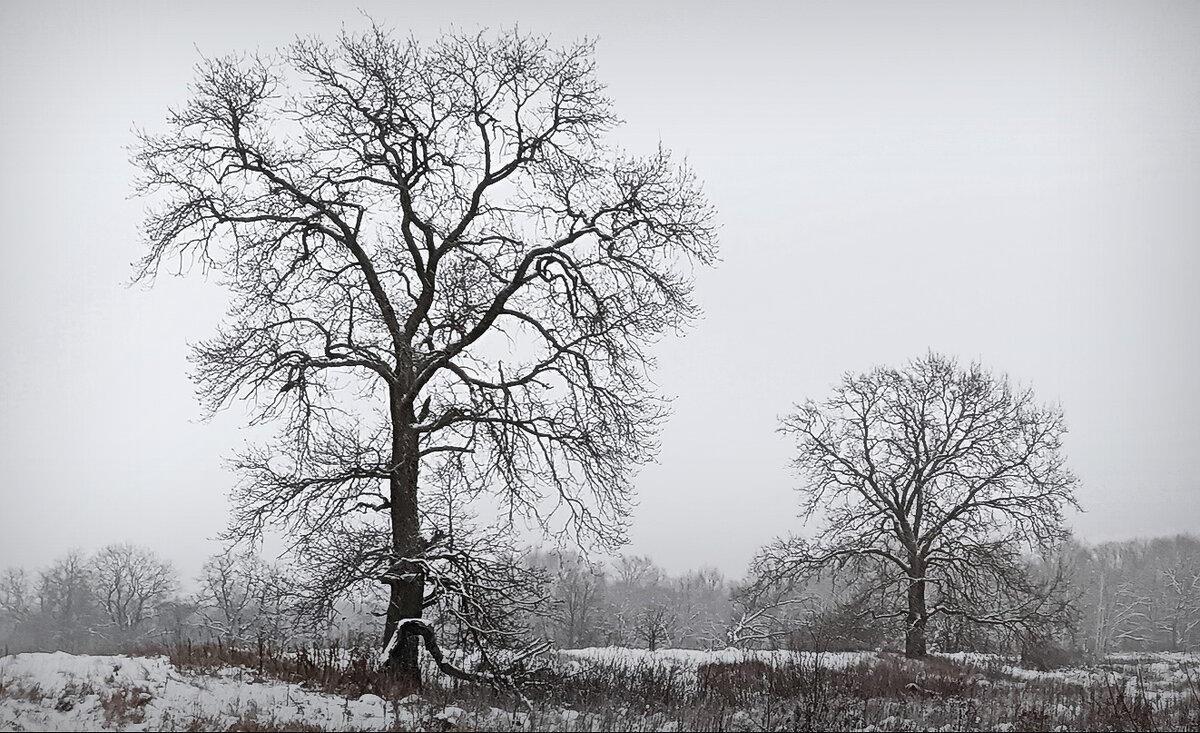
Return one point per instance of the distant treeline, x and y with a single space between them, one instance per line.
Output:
1135 595
1139 595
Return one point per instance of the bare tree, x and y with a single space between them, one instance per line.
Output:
636 579
939 478
233 594
67 601
16 596
703 606
129 583
635 570
444 285
1141 595
657 622
1179 578
16 601
1120 585
767 610
579 592
174 618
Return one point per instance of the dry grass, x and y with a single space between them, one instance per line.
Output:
337 669
882 692
124 705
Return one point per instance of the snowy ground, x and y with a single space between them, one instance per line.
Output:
60 691
64 692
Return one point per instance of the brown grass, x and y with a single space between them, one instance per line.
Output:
125 705
887 691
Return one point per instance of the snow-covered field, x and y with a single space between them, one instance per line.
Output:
662 690
64 692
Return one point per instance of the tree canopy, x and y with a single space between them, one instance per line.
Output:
931 478
444 287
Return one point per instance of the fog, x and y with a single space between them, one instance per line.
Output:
1013 183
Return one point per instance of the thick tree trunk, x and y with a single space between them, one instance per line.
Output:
402 662
915 620
408 582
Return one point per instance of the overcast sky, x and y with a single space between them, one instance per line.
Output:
1014 183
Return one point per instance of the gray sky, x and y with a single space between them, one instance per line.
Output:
1017 183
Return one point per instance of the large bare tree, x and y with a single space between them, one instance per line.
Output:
933 482
445 283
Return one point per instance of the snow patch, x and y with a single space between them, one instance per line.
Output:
60 691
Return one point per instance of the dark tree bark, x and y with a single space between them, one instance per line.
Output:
917 616
406 580
444 288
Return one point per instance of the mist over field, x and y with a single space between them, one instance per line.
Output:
520 366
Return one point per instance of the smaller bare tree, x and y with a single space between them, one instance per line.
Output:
657 623
703 606
580 594
1179 578
130 582
635 570
233 589
66 601
939 479
16 599
1118 597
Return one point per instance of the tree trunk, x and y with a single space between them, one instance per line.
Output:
915 620
408 585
